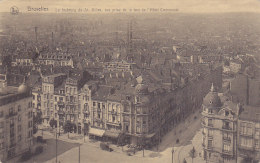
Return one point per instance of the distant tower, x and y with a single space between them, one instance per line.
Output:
52 42
36 35
129 40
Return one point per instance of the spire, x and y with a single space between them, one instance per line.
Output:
212 89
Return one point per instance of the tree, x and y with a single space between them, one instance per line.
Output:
53 123
192 154
247 159
68 127
37 119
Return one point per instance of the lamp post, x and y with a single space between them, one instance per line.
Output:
56 147
79 153
172 153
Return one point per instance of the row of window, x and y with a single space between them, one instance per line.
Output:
71 90
30 124
47 88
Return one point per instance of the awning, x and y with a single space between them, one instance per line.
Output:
96 132
112 134
150 135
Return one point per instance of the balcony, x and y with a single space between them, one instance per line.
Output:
12 145
113 112
227 152
61 103
86 112
97 120
210 136
246 134
227 139
61 112
227 128
210 124
248 148
12 135
11 114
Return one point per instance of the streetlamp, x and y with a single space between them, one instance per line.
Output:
172 153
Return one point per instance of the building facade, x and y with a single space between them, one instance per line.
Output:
249 134
16 121
219 123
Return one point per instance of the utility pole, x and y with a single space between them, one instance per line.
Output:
172 153
56 147
79 153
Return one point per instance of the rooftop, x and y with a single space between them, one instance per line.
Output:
250 113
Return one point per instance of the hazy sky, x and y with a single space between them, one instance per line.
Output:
181 5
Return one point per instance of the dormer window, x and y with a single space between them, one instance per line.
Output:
226 113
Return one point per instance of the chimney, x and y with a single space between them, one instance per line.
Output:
117 75
123 74
131 72
110 75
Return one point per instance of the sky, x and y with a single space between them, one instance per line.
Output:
190 6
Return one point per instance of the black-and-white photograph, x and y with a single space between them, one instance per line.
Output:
130 81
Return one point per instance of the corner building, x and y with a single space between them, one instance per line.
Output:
219 123
16 124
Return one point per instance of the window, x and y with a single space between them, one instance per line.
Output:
257 133
19 128
226 113
94 104
226 147
19 138
2 125
210 123
19 118
210 133
246 142
210 143
1 113
114 118
257 144
138 129
55 98
11 110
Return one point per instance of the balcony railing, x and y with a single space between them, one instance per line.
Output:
210 124
251 148
61 103
113 112
228 139
226 128
86 112
12 145
11 114
227 152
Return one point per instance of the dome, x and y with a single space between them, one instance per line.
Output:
141 87
23 88
212 99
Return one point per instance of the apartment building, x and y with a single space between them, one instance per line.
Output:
16 124
249 133
55 60
49 84
219 123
